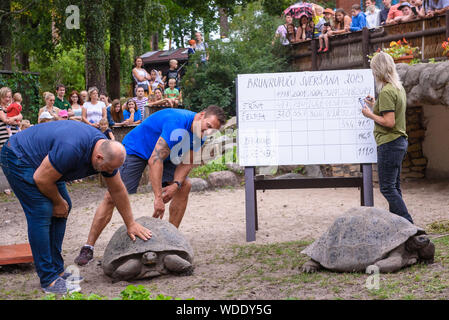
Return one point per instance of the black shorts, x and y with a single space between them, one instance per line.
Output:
132 169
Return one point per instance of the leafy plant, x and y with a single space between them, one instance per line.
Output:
445 46
398 49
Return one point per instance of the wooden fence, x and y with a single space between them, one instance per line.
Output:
351 50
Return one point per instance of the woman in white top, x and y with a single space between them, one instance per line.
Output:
49 107
93 110
141 76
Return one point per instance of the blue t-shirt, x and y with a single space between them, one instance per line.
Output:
137 115
68 144
173 125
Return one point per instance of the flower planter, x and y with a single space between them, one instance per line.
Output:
404 59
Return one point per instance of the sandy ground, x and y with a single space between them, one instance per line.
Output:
214 221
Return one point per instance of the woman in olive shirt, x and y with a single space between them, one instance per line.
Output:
389 130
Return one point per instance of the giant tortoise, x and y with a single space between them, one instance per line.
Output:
167 251
365 236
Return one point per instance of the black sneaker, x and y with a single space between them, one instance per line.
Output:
86 255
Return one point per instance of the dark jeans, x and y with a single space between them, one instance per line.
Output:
45 232
389 164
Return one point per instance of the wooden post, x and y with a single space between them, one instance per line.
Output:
366 192
250 204
365 47
314 55
447 25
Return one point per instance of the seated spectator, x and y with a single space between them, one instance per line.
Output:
156 80
318 20
394 12
159 100
49 108
94 109
115 114
76 106
342 24
358 18
172 72
106 130
305 30
172 93
14 110
372 14
141 76
131 113
407 13
63 115
383 14
141 101
328 26
435 7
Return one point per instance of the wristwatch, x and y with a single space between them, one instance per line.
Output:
178 183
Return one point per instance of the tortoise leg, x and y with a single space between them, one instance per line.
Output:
175 263
397 259
310 266
128 270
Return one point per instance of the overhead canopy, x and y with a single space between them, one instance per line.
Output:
157 57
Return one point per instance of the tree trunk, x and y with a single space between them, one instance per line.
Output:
224 24
114 51
95 24
5 36
155 41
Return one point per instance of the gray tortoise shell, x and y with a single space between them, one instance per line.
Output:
165 238
359 238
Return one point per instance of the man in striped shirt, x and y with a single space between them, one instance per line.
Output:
141 100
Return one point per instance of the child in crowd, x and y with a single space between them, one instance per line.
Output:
132 113
63 115
14 109
25 124
172 73
172 93
318 20
104 127
358 20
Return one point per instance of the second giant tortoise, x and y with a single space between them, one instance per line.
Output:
168 251
367 236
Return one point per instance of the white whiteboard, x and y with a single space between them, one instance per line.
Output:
304 118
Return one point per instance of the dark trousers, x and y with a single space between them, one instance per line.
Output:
389 165
45 232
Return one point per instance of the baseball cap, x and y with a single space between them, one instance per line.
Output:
328 10
405 4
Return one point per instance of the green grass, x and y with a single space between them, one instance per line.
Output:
277 266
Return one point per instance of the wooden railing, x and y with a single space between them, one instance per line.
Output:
351 50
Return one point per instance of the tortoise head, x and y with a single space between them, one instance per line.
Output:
423 246
149 258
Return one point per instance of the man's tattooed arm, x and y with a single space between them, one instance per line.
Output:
161 151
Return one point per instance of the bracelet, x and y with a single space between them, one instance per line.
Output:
178 183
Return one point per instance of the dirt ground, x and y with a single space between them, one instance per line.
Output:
226 266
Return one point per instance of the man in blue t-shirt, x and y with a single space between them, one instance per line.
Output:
163 141
37 162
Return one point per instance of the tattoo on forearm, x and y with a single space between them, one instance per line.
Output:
161 151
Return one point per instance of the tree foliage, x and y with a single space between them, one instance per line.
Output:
214 83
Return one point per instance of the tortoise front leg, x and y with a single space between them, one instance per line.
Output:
311 266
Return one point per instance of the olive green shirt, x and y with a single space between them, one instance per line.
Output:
62 104
390 100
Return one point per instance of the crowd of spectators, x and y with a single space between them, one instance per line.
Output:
325 23
95 108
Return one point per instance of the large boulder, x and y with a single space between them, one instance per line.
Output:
222 179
